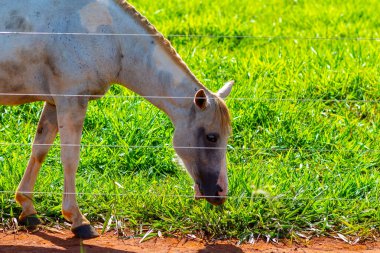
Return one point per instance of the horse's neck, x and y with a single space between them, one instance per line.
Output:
151 68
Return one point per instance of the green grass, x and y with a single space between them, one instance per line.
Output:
325 180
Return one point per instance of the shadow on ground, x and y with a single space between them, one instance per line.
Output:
61 245
220 249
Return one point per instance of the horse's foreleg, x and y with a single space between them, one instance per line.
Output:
46 133
71 114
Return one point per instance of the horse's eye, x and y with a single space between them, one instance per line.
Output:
212 138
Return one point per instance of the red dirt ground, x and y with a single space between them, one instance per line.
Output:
44 241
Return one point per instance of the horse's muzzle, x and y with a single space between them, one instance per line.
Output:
210 193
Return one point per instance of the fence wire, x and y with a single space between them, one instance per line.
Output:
255 99
190 36
212 36
194 147
258 195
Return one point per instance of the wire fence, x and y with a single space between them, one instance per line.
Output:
190 36
197 36
275 149
254 37
254 195
255 99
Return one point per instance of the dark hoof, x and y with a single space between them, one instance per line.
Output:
31 221
85 232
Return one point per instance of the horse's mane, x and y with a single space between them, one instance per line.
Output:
156 34
221 107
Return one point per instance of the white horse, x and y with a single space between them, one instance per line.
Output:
48 52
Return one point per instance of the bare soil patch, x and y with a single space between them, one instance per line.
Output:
44 241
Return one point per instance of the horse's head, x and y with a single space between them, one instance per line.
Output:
200 140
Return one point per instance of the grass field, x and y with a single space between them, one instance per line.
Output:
304 156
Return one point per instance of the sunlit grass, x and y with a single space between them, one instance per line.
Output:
305 165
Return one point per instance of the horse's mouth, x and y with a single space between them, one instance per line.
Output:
214 200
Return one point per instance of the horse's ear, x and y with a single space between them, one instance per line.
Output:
200 99
226 89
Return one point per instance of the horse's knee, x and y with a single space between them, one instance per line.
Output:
45 135
39 154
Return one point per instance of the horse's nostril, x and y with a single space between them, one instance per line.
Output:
218 189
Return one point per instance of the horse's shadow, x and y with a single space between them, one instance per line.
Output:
60 245
221 248
76 245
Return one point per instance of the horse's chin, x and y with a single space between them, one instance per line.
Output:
198 194
214 201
